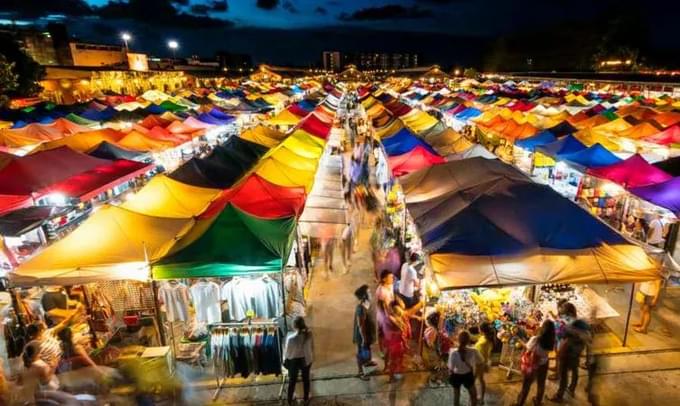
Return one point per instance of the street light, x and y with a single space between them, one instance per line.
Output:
126 37
173 45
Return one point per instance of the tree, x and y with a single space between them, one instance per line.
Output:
471 73
8 80
28 71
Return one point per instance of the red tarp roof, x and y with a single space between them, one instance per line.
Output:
260 198
297 110
315 126
418 158
153 120
632 172
670 135
32 173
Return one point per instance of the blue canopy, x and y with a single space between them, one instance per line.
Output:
99 115
307 105
468 113
220 115
210 119
595 156
402 142
565 145
490 208
563 128
154 109
542 138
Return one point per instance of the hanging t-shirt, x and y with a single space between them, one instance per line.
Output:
206 299
175 297
407 283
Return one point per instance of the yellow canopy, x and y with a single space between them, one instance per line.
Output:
137 141
263 135
389 130
418 120
82 142
5 124
590 137
280 173
448 142
166 197
285 117
606 264
113 244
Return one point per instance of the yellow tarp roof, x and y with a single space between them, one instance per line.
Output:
166 197
418 120
137 141
285 117
606 264
389 130
82 142
112 244
263 135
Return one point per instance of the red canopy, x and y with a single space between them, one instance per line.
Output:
89 184
315 126
153 120
11 202
397 108
297 110
32 173
670 135
416 159
632 172
260 198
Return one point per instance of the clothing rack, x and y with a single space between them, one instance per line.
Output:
250 323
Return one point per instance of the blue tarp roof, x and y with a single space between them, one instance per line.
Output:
487 213
563 128
402 142
595 156
210 119
565 145
542 138
97 115
307 105
219 114
468 113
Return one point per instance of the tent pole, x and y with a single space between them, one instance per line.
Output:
630 309
88 310
157 311
283 298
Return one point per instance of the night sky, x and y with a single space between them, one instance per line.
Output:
296 31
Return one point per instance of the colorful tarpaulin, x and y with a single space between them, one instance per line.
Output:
234 244
166 197
632 172
595 156
418 158
113 244
665 194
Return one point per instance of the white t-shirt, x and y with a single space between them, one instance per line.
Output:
347 233
650 288
206 298
655 235
409 277
175 297
456 364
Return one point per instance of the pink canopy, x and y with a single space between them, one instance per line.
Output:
670 135
632 172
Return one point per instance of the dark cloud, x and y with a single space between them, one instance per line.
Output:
219 5
321 11
159 12
388 12
289 6
201 9
40 8
267 4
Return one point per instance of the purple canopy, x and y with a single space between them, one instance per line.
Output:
665 194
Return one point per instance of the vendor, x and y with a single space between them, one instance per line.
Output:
409 282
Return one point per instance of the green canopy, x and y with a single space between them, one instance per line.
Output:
611 116
234 244
170 106
74 118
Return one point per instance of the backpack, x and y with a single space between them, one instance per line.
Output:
528 362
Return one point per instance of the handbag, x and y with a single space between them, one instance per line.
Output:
287 363
527 362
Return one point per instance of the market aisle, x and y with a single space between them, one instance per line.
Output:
331 310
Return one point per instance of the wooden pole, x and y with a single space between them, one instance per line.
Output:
630 309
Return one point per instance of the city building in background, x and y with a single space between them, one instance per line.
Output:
233 61
332 61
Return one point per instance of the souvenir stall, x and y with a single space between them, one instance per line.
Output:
512 271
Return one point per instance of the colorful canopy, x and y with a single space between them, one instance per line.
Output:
542 138
263 135
166 197
484 223
632 172
402 142
235 243
595 156
417 158
112 244
665 194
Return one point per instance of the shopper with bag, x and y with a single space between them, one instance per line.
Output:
462 364
534 362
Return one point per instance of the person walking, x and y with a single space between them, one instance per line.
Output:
462 364
364 331
484 345
347 239
298 358
577 337
537 350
